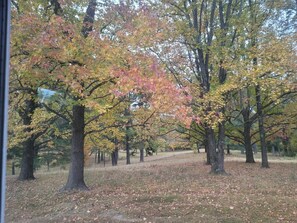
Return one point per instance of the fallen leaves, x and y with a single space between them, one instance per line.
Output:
173 189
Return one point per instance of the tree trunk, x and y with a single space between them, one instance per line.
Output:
13 168
142 155
142 152
247 138
117 156
206 149
27 164
127 137
261 128
76 173
116 151
98 156
102 158
211 146
247 124
114 157
127 149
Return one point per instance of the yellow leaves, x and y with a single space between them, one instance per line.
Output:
40 122
93 104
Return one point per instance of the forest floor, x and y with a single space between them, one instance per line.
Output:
169 187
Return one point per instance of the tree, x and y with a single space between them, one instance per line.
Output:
24 85
205 32
68 54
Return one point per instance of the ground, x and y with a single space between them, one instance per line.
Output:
172 187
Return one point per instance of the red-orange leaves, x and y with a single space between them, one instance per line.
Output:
163 95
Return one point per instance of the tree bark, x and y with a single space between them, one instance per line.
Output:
114 157
247 136
127 148
211 145
98 156
102 154
127 137
27 164
261 128
141 159
142 155
114 154
13 168
76 172
206 149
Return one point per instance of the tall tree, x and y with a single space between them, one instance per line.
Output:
205 34
25 81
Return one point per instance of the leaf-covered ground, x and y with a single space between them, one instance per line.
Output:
169 189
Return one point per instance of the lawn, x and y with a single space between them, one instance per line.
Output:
166 188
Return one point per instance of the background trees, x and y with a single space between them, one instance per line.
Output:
213 67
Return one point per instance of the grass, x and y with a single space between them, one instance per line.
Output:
174 188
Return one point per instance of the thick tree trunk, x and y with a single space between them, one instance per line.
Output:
247 125
211 145
27 164
247 138
261 128
114 157
141 159
76 173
